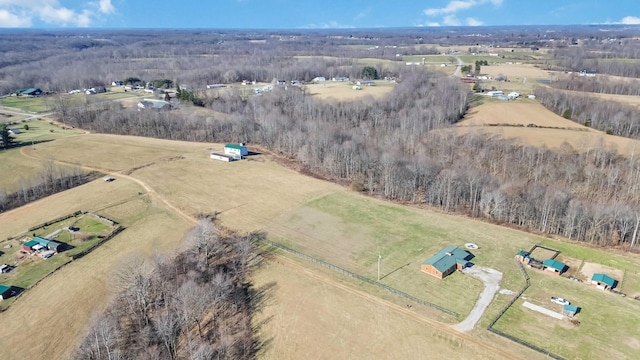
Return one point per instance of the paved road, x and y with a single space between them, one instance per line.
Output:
491 279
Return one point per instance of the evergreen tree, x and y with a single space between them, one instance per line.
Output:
6 140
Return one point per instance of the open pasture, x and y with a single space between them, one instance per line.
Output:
30 104
61 306
344 90
511 120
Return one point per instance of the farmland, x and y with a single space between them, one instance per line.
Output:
345 91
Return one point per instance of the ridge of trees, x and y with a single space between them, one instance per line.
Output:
400 148
599 84
51 179
196 305
610 116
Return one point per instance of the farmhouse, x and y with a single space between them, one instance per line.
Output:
5 292
237 151
603 282
554 266
570 310
28 92
523 257
446 261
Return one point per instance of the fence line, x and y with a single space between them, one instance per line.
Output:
515 298
555 251
79 212
98 243
360 277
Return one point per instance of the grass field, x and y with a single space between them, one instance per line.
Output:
62 305
30 104
344 90
314 216
510 119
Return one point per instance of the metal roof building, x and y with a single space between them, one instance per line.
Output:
446 261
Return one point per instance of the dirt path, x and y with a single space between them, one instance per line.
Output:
491 279
396 308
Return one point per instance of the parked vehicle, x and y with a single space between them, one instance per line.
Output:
560 301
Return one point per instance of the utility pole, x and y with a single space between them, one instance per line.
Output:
379 259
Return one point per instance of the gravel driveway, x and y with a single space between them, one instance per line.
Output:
491 279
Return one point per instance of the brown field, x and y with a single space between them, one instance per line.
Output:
517 71
624 99
258 194
344 91
518 114
75 292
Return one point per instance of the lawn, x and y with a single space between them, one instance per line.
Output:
350 231
29 104
608 323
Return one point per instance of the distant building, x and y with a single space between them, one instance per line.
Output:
603 282
154 104
221 157
319 79
216 86
28 92
117 83
554 266
446 261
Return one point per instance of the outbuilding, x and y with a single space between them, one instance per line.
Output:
603 282
570 310
554 266
524 257
221 157
237 151
446 261
28 246
6 292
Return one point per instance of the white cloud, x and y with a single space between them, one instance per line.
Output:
13 13
106 7
474 22
451 20
10 20
458 5
630 20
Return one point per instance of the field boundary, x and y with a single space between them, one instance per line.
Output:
62 218
360 277
86 251
515 298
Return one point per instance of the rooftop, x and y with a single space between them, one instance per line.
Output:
448 257
4 289
571 308
235 146
554 264
602 278
31 243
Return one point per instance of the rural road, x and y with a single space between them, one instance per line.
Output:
458 67
491 279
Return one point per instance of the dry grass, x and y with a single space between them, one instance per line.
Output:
624 99
74 293
516 115
344 90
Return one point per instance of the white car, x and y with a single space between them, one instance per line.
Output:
560 301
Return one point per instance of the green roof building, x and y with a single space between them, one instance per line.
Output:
603 282
236 150
447 261
5 292
554 266
570 310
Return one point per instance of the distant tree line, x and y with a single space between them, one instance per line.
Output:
610 116
400 148
51 179
197 305
599 84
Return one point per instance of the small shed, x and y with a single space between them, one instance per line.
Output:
570 310
523 256
54 246
5 292
554 266
603 282
28 246
237 151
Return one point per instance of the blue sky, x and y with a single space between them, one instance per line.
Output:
313 14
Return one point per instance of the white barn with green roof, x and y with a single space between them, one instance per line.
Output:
237 151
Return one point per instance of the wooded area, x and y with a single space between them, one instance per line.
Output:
196 305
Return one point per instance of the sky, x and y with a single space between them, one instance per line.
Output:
310 14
